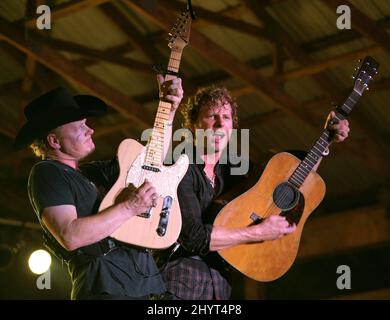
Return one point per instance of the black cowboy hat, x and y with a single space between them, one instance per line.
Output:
53 109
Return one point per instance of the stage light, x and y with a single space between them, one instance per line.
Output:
39 261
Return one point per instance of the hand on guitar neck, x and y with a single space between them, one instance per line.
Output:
170 91
338 128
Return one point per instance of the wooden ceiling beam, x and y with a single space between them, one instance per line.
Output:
361 22
230 64
30 64
137 40
93 54
71 71
317 67
67 9
221 20
295 51
264 87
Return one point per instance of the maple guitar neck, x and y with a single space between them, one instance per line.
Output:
155 148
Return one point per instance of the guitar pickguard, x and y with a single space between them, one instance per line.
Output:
165 181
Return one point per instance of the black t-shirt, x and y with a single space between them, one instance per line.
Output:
126 271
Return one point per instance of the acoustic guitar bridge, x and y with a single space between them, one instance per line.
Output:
255 218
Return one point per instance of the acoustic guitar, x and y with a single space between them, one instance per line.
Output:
287 187
160 226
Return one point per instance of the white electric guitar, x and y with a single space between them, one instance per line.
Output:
160 226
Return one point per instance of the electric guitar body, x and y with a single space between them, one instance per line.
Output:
160 226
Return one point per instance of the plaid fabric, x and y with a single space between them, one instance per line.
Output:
191 279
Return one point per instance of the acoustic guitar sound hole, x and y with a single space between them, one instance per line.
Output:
285 196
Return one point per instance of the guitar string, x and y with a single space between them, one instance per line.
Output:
273 206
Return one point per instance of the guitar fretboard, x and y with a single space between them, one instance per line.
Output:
155 148
315 153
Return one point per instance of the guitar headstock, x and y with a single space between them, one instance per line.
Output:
180 33
368 69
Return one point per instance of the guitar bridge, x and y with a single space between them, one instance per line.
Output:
145 214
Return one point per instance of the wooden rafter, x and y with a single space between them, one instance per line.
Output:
30 65
296 52
93 54
68 8
364 24
135 38
224 21
71 71
157 12
268 89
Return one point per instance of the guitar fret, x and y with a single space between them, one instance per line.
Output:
346 106
156 148
316 156
155 145
349 98
304 168
321 151
300 175
163 119
171 66
295 183
300 182
323 142
313 163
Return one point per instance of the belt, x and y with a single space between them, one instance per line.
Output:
97 249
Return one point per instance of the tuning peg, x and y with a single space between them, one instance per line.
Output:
359 60
353 77
368 89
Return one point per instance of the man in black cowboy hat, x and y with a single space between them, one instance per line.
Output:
66 197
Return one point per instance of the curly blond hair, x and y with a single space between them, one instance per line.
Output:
207 96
